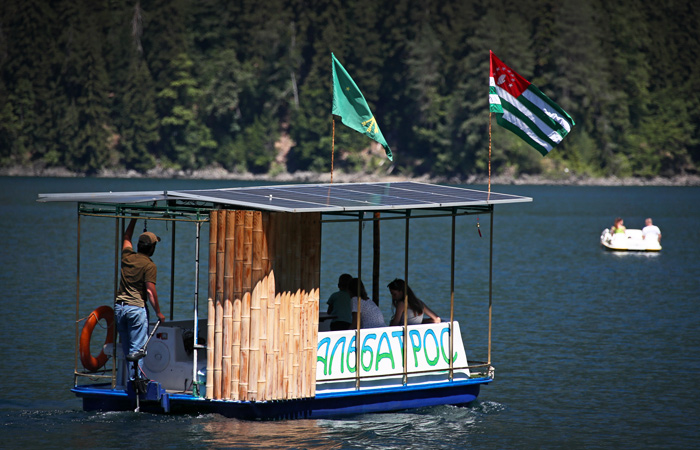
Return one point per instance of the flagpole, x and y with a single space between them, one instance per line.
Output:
332 148
488 195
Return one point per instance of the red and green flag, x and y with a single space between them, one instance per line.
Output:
350 105
525 110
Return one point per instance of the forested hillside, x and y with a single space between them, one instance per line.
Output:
188 84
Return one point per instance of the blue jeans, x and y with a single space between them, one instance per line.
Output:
132 325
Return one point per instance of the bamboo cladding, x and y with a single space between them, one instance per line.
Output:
262 327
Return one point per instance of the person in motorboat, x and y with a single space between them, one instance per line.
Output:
137 283
370 314
417 310
650 230
339 304
619 227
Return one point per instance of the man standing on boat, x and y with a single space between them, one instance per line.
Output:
651 231
137 283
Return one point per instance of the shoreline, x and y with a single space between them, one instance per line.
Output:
341 177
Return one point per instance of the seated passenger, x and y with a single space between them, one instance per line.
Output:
417 310
370 314
651 230
619 226
339 304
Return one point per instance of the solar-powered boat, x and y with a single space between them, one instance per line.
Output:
258 353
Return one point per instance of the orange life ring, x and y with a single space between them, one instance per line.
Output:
91 363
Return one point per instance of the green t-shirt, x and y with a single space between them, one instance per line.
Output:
137 270
340 306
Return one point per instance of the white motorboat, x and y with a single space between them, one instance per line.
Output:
629 241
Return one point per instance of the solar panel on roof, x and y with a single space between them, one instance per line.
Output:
314 197
351 197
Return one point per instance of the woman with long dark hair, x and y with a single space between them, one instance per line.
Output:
417 310
370 316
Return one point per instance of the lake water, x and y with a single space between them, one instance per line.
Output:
592 349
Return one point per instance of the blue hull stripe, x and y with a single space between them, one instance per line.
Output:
102 397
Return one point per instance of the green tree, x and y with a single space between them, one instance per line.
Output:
10 128
139 123
427 86
580 86
165 37
26 67
669 130
186 139
133 103
310 124
83 81
394 104
224 80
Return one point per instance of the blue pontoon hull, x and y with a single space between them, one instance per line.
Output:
459 392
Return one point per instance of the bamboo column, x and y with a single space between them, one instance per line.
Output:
296 349
245 347
315 304
245 306
298 263
289 345
218 327
310 345
270 362
255 304
211 310
229 249
272 317
264 380
238 257
281 348
254 343
303 347
279 339
262 344
302 224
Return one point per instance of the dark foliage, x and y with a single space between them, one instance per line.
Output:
189 84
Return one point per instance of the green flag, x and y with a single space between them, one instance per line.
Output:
352 108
